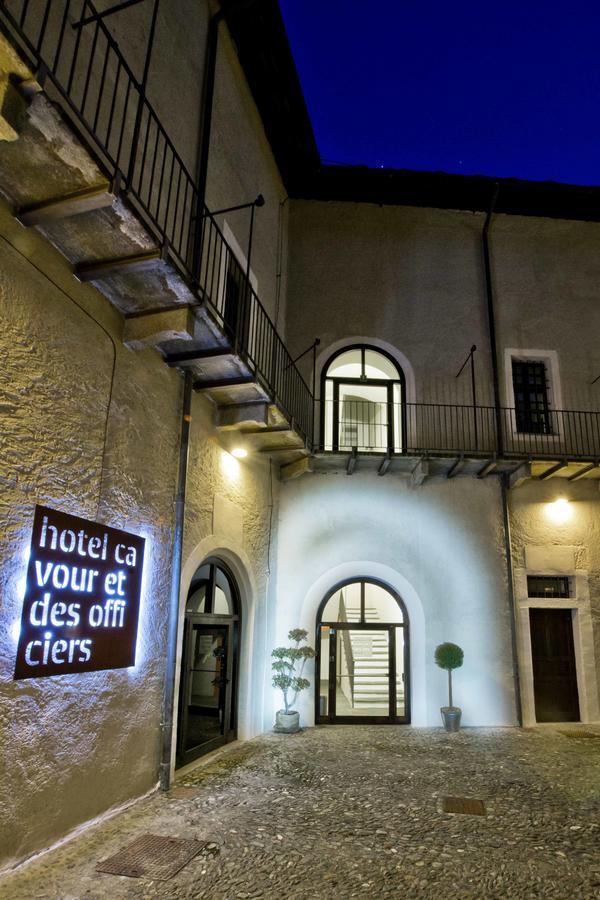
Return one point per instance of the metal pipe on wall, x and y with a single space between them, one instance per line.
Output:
491 319
166 725
511 596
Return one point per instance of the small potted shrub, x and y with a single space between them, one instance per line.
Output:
449 657
289 679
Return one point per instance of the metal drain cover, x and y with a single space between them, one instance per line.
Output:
152 856
465 806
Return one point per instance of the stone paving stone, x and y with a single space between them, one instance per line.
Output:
356 811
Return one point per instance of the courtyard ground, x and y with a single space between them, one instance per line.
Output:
357 811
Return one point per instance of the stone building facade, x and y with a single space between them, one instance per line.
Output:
115 300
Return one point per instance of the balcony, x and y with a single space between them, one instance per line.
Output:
434 438
85 160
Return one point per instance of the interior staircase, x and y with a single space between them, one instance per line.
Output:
370 652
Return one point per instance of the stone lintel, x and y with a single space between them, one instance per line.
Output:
148 331
420 472
230 418
295 469
521 474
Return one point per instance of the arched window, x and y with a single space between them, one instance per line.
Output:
362 660
363 395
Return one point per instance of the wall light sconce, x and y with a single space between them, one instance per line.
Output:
239 452
560 511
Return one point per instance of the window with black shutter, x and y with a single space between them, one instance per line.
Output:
532 411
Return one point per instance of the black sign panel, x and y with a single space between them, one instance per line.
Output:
82 597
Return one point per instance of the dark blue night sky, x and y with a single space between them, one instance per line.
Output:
492 88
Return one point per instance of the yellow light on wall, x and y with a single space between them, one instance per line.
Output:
239 452
559 511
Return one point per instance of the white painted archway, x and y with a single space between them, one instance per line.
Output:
357 569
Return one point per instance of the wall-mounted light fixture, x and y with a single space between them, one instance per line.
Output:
559 511
239 452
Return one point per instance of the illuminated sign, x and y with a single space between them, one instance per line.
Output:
82 597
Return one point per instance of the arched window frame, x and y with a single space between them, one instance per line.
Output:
404 625
331 442
217 570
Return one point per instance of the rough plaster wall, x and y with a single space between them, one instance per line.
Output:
177 63
546 276
444 538
242 166
241 163
531 526
411 277
75 745
414 277
252 486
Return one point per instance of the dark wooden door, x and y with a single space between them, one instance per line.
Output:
554 672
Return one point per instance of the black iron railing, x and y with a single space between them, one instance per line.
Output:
85 73
446 429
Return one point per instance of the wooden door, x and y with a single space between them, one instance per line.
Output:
554 671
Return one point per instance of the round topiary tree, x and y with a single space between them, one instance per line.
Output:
449 657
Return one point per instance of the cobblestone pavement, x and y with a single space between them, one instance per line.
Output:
355 811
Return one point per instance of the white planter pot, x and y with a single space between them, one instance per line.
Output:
287 723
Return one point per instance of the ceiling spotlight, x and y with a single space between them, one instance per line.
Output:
239 452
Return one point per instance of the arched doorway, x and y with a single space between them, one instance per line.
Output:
209 663
362 664
363 402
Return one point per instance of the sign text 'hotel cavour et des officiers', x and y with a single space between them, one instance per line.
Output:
82 597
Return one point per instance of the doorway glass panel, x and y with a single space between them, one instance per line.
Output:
362 672
324 674
400 679
207 682
380 606
363 417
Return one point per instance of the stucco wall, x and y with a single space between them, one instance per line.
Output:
541 545
414 278
231 513
241 162
441 546
75 745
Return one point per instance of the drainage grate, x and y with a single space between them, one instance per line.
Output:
575 733
152 856
184 792
465 806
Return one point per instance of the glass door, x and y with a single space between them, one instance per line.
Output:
206 689
359 676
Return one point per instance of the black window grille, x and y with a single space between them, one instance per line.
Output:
530 386
549 586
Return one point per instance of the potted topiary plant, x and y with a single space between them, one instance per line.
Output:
289 680
449 657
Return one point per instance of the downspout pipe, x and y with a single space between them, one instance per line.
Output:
511 596
166 725
489 291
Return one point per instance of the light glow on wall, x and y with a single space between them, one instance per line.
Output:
560 511
230 467
239 452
